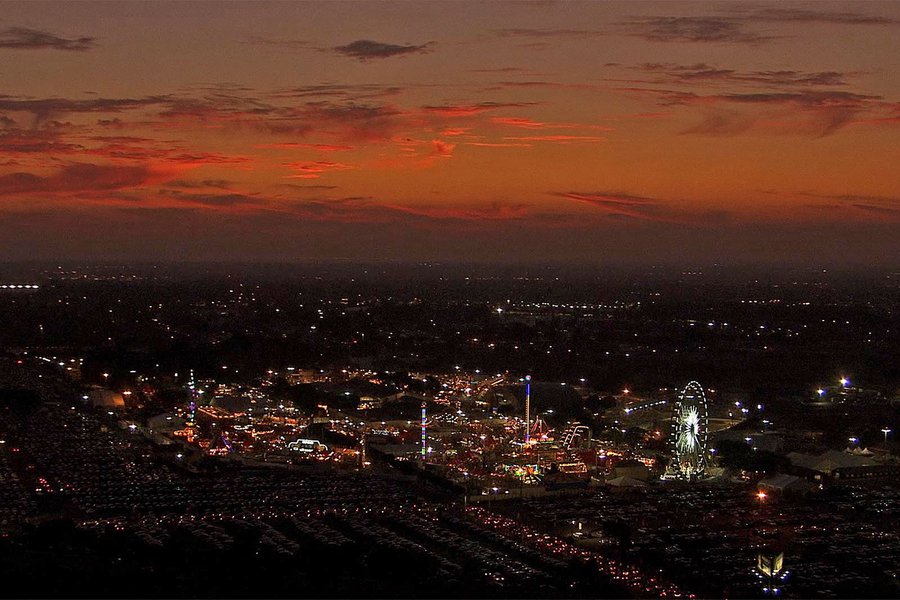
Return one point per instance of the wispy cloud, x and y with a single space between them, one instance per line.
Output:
548 33
888 206
304 146
23 38
499 144
545 84
704 73
294 44
693 29
40 141
622 205
526 123
46 108
468 110
493 212
559 139
740 26
814 112
618 203
354 92
800 15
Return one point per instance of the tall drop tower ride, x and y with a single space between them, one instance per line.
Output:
527 408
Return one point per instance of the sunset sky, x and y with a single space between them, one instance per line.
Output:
492 131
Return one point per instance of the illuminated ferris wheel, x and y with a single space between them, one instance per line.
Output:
690 427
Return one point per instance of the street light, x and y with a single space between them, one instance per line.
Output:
886 431
845 382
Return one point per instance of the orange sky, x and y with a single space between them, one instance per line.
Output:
502 131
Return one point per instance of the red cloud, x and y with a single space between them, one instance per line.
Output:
499 145
312 170
563 139
518 122
455 131
442 148
524 123
298 146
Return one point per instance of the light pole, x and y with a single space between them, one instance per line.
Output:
886 431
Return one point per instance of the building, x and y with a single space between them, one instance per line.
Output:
786 484
836 466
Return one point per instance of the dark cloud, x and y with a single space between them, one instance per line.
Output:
353 122
217 106
23 38
496 211
362 50
346 119
808 98
702 72
78 177
738 27
467 110
28 141
217 200
547 84
799 15
805 98
46 108
309 187
205 183
693 29
343 91
367 49
207 158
